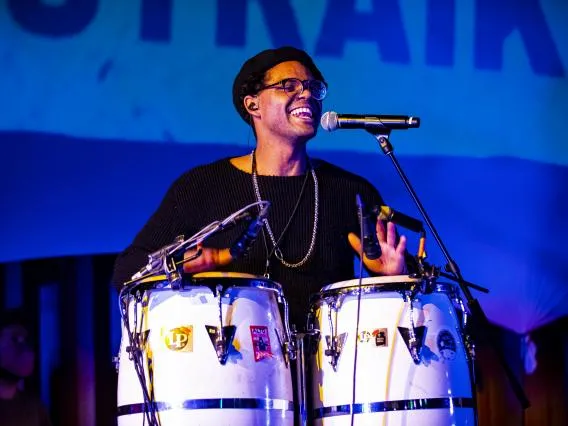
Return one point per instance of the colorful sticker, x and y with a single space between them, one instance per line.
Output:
364 336
260 342
381 337
446 345
179 339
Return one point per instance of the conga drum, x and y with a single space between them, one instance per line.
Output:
213 352
390 352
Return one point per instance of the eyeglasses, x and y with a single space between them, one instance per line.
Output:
295 86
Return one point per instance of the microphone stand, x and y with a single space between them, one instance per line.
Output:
476 312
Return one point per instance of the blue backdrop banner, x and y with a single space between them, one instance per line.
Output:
104 103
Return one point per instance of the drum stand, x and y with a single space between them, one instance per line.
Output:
480 322
304 348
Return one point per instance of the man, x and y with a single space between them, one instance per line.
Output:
311 231
17 357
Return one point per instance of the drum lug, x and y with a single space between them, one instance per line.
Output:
414 339
314 338
312 334
288 347
138 342
469 346
288 341
116 361
336 300
413 335
335 346
222 339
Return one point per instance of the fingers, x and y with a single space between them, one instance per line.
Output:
209 259
381 232
401 246
224 257
387 235
391 234
194 264
391 239
391 261
355 242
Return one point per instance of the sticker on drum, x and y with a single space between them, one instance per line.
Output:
260 342
411 364
201 371
179 339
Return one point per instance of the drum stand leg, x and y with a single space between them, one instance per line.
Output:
470 352
469 347
301 387
305 344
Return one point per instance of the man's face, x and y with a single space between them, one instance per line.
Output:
16 355
285 115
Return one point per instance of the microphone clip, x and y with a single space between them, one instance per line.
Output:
243 244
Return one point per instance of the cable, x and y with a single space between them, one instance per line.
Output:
136 355
359 291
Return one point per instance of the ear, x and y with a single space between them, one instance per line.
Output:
251 105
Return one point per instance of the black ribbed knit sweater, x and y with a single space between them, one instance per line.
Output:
214 191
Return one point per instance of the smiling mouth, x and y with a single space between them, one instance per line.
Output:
302 112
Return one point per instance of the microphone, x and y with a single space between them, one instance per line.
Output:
243 244
228 224
371 246
331 121
156 260
398 218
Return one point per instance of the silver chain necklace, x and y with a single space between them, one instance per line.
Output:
277 251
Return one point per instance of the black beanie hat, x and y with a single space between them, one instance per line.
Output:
256 66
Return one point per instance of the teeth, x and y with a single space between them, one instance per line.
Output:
301 111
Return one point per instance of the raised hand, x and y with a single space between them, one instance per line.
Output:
391 261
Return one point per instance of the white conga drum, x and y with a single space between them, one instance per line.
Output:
395 356
207 358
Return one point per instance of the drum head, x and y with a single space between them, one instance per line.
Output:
211 278
371 281
391 283
233 279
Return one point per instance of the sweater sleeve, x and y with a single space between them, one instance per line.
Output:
164 225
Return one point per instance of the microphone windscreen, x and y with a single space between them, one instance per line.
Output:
329 121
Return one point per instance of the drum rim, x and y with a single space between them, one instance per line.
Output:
370 281
239 280
224 274
382 284
229 279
